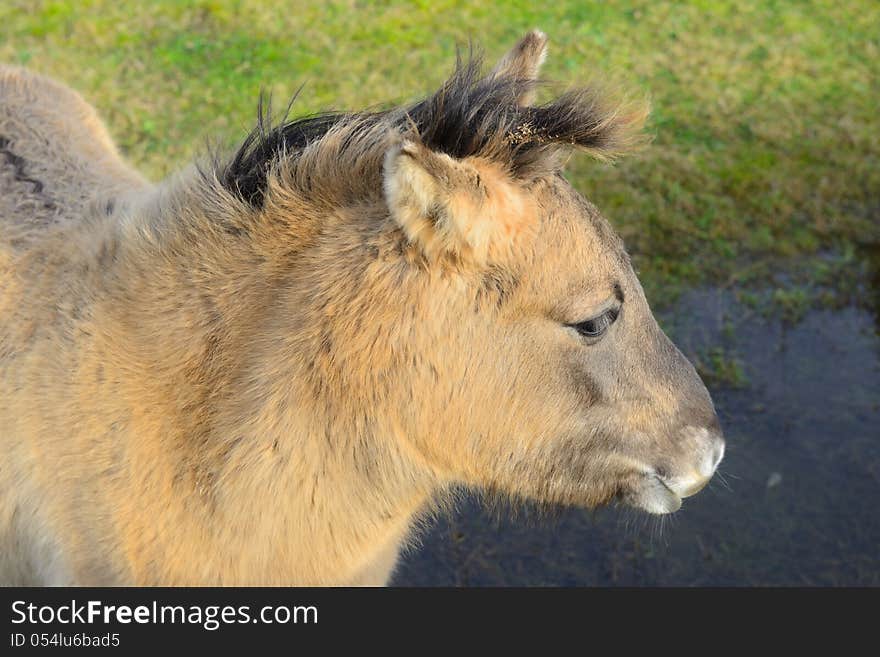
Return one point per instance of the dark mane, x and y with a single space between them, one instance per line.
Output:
470 115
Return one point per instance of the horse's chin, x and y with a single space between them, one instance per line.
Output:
654 496
659 495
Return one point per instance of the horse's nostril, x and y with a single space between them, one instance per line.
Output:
709 444
692 487
706 448
717 452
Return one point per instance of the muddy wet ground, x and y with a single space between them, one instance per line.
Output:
801 412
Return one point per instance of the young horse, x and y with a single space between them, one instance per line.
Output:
264 370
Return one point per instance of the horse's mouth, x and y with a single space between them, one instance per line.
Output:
654 496
659 495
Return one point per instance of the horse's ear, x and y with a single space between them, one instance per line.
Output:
523 62
447 206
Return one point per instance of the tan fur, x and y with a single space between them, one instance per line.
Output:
197 391
62 139
524 62
469 209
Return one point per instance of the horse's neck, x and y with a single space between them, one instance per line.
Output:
332 491
318 522
303 487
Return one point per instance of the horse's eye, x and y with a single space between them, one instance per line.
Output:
595 327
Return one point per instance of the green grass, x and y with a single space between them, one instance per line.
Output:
766 130
717 368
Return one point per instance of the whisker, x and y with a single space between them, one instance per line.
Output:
722 479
